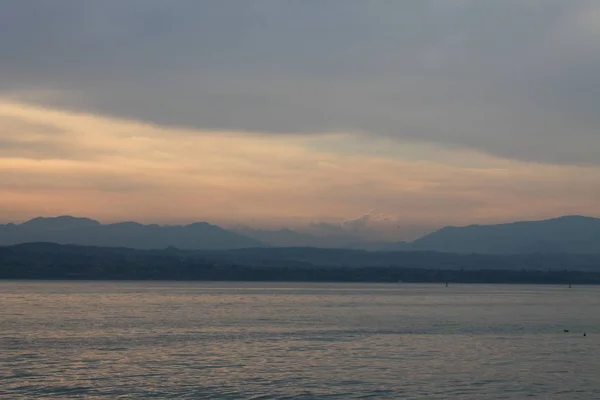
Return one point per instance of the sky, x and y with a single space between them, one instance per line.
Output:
383 118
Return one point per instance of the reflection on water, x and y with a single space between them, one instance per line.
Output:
138 340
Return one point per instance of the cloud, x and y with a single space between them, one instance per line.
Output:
510 78
55 161
363 221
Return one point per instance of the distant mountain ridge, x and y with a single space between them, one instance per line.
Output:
290 238
85 231
568 234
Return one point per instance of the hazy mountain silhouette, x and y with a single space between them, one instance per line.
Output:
64 222
84 231
290 238
282 237
568 234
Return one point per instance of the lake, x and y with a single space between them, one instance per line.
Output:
199 340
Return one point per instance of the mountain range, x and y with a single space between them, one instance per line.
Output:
568 234
85 231
290 238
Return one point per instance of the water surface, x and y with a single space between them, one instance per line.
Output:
138 340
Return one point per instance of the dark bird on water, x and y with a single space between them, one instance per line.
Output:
584 334
566 330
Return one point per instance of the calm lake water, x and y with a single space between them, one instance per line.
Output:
138 340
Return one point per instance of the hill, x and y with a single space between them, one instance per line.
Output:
563 235
569 234
52 261
291 238
84 231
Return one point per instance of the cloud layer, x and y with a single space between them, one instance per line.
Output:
301 113
516 79
55 162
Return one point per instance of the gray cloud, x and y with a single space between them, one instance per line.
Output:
518 79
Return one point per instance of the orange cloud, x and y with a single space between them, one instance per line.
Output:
58 162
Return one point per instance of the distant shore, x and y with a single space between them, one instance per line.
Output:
47 261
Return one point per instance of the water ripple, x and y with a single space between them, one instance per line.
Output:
196 341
